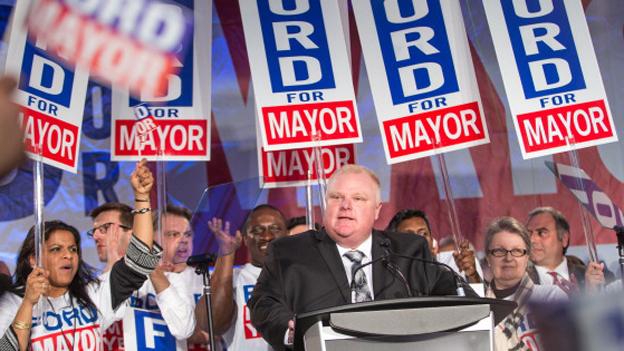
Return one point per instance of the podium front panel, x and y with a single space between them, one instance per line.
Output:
462 341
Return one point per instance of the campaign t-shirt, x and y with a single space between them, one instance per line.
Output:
65 323
161 321
242 335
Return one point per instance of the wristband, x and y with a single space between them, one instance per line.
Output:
141 211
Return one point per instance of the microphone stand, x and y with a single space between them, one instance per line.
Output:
203 269
619 233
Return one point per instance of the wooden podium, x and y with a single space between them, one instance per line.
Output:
423 323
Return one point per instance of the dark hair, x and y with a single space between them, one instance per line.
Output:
301 220
561 223
125 212
78 286
172 210
5 284
404 215
256 209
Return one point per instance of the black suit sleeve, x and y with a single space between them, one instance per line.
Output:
270 312
129 273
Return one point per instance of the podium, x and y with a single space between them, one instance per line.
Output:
423 323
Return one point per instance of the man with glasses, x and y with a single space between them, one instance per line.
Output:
112 229
232 287
159 294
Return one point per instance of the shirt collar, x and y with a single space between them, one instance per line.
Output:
365 247
561 269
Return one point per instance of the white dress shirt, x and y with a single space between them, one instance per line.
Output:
547 279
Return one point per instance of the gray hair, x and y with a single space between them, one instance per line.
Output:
561 223
507 224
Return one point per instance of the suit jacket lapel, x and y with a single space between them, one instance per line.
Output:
329 252
379 269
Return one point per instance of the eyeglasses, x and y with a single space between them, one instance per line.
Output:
500 252
104 228
260 229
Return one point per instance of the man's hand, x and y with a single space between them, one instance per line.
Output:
158 277
466 261
291 332
227 244
11 143
594 276
142 179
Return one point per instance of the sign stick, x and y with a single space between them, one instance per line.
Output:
589 234
450 200
320 171
38 203
309 204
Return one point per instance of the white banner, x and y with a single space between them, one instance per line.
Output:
51 97
182 114
551 76
301 73
425 91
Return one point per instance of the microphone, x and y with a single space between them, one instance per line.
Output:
197 260
394 268
352 286
459 284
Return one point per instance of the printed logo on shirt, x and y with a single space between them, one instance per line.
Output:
85 338
250 330
528 333
75 317
113 337
146 302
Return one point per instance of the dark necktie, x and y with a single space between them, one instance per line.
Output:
361 290
565 285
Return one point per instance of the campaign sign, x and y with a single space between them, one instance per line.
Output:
551 75
425 92
146 330
301 73
286 168
135 44
606 212
178 120
51 97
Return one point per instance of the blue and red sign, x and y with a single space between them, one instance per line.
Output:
135 44
177 119
426 94
51 97
551 76
301 76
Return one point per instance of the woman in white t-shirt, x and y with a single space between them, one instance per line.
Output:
76 307
507 246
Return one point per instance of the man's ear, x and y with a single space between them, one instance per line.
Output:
377 210
565 241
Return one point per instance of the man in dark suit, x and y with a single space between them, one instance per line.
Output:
308 272
550 237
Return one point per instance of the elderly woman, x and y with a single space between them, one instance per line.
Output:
508 246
